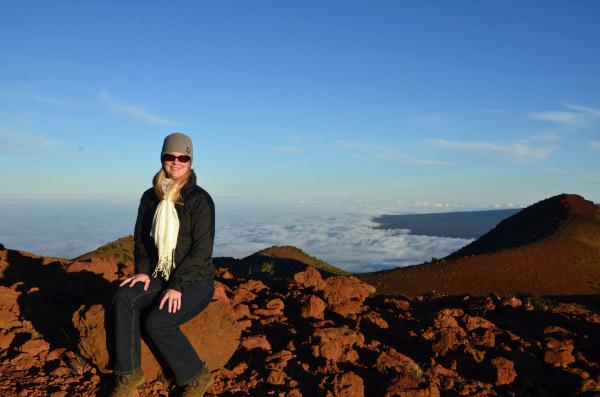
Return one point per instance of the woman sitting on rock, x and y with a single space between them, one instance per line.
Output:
174 274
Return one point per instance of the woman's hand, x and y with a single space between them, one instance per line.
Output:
173 298
137 278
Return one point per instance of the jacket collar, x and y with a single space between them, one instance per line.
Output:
189 186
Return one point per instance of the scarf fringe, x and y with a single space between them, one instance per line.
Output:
165 265
165 230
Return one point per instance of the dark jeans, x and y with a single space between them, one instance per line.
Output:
161 326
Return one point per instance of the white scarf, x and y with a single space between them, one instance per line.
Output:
165 229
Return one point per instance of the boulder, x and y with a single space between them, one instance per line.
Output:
345 294
310 278
252 342
214 334
105 267
9 308
346 384
558 352
35 347
503 371
312 307
406 387
336 344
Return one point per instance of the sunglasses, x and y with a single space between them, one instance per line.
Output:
171 157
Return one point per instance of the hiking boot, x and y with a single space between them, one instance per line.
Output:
198 386
126 384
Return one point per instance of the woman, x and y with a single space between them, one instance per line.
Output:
174 275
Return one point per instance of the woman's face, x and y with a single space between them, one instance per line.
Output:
176 169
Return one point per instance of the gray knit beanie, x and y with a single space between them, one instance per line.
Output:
178 142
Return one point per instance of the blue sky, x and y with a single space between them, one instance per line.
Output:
451 102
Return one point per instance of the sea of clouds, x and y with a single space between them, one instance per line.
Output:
341 233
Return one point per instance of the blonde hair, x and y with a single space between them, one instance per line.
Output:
174 189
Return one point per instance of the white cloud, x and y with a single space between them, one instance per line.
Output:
567 118
387 153
28 145
47 100
546 136
578 115
340 234
595 145
517 151
584 109
22 143
135 112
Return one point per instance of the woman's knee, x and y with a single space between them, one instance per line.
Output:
124 296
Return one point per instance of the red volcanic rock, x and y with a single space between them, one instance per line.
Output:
346 384
274 307
254 285
558 352
579 373
326 356
444 320
9 308
391 361
398 304
512 302
473 322
243 311
375 319
252 342
223 273
336 344
35 346
4 263
242 295
590 386
55 354
312 307
310 278
451 312
477 355
278 361
23 361
6 340
503 371
214 334
221 292
345 294
104 266
240 368
405 387
555 329
276 377
447 339
487 339
440 370
445 334
244 324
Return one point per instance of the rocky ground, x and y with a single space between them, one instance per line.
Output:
310 336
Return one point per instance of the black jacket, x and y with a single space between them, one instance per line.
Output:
193 253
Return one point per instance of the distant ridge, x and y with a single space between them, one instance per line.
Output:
275 261
455 224
551 247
